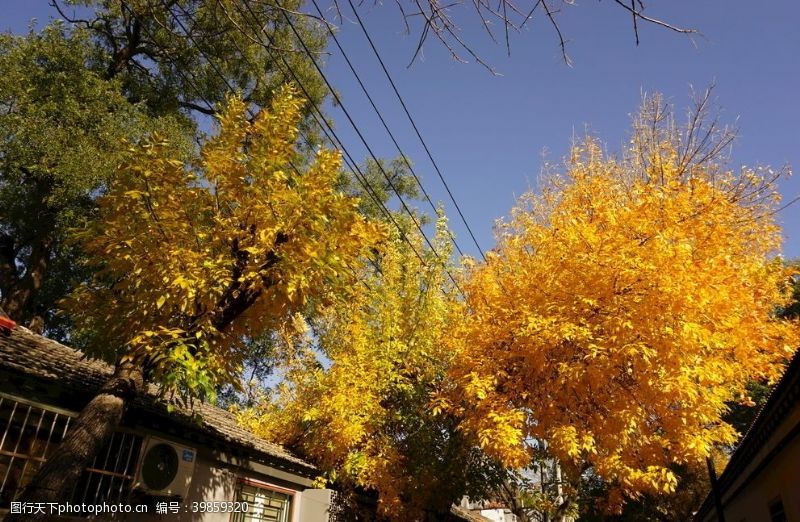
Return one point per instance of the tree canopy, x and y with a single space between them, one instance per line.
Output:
189 54
194 259
625 307
357 389
72 94
62 125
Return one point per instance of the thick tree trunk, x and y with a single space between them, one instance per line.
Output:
90 432
8 268
18 303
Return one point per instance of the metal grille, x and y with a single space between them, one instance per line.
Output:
110 477
29 433
263 505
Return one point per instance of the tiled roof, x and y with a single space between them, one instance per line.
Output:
29 354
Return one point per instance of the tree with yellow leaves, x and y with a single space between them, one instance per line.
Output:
356 398
625 307
194 260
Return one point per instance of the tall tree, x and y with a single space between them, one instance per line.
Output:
195 259
625 307
358 397
264 357
124 68
61 131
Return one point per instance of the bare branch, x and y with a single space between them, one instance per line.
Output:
441 23
637 13
562 43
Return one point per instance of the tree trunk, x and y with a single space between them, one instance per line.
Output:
8 268
90 432
18 304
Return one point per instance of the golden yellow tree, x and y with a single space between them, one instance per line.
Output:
196 259
624 307
356 398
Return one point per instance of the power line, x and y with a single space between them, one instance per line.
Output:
413 124
383 122
323 124
355 128
210 106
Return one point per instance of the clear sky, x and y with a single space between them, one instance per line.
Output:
490 134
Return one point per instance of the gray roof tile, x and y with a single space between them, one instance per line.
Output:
27 353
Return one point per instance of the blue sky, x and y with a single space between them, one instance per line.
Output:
490 134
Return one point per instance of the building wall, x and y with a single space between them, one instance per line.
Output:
209 483
778 478
216 480
30 430
499 515
781 478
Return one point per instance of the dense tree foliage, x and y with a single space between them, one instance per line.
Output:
623 309
62 127
71 94
194 260
357 393
188 54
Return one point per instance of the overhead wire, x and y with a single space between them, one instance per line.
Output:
413 124
357 131
335 138
351 163
377 111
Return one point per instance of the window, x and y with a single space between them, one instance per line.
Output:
108 480
28 435
263 505
30 432
776 511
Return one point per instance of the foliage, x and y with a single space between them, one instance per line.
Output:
262 355
374 174
677 506
194 261
624 307
792 310
70 96
61 131
538 492
258 365
357 393
186 54
693 481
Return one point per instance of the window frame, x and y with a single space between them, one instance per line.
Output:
94 475
242 480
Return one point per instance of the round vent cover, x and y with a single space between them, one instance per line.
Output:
160 466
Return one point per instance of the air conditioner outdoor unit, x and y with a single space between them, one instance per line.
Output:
166 468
